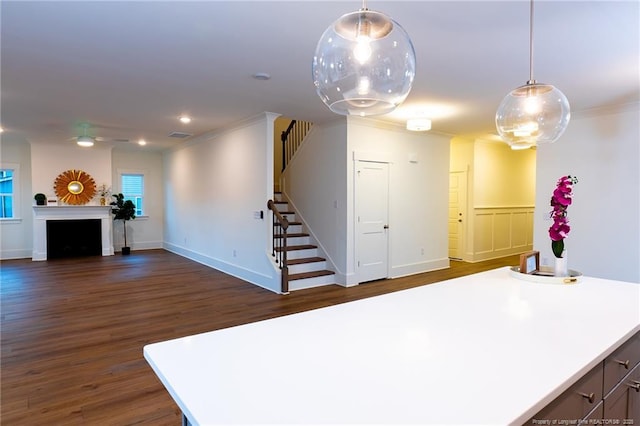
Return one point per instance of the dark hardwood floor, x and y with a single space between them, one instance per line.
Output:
73 329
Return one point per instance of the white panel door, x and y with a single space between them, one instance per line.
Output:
372 220
457 205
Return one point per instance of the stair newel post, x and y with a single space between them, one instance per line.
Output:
273 235
285 268
281 222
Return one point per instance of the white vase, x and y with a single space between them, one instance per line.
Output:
561 269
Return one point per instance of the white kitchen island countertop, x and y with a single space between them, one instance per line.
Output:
482 349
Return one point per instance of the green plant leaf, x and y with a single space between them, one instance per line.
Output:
557 247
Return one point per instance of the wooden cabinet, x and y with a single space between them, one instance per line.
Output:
608 394
621 362
595 416
577 401
623 402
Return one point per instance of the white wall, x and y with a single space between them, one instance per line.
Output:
49 160
602 151
319 182
16 235
144 232
503 187
214 186
418 192
41 163
315 184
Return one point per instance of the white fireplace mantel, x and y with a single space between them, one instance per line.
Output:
43 213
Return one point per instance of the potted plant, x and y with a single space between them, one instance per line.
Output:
40 198
124 210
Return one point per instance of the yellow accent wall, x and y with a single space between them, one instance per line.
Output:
503 177
500 197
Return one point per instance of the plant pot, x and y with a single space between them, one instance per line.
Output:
561 267
126 251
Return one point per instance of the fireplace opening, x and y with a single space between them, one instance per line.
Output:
73 238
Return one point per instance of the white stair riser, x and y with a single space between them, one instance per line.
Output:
293 241
311 282
307 267
299 254
293 229
291 217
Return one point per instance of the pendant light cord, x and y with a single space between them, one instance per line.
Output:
531 80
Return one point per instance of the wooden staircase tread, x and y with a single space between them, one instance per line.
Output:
293 235
305 260
290 223
312 274
300 247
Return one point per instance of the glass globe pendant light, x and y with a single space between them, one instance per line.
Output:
364 64
534 113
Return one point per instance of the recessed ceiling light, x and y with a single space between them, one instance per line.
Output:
419 124
1 130
262 76
142 142
185 119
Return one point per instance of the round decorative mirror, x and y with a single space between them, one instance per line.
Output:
75 187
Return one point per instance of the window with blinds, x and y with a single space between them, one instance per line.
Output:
133 189
6 193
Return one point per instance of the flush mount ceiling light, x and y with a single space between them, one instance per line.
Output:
184 119
364 64
534 113
85 141
419 124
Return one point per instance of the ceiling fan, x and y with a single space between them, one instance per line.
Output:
87 139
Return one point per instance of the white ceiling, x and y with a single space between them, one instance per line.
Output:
130 68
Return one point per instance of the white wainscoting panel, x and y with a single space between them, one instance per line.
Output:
501 231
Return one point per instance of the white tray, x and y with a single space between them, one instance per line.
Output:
546 276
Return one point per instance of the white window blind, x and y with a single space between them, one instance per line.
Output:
133 189
6 193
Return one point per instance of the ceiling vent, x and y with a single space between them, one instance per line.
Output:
179 135
121 140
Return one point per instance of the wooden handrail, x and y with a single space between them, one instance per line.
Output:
292 138
280 223
283 137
